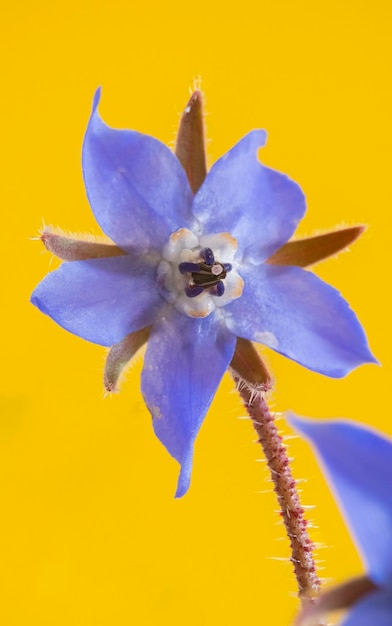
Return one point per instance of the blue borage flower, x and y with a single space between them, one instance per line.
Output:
193 267
358 464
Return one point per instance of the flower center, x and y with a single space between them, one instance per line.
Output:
207 274
192 278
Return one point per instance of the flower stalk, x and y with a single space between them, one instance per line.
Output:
252 377
285 488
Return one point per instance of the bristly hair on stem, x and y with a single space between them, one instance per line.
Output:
292 512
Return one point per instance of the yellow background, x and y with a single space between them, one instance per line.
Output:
89 531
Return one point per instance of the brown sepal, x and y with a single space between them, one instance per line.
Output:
342 596
70 249
190 144
249 366
304 252
120 354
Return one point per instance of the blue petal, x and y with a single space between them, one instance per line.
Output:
184 363
257 205
374 610
358 462
300 316
101 300
137 188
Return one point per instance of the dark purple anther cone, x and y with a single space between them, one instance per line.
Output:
186 267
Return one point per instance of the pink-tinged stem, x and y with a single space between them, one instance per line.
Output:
285 488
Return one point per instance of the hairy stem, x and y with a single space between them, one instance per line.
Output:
285 489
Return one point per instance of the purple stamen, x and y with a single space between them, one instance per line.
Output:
208 256
220 289
193 290
186 267
227 266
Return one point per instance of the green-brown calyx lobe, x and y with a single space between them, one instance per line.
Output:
190 144
305 252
